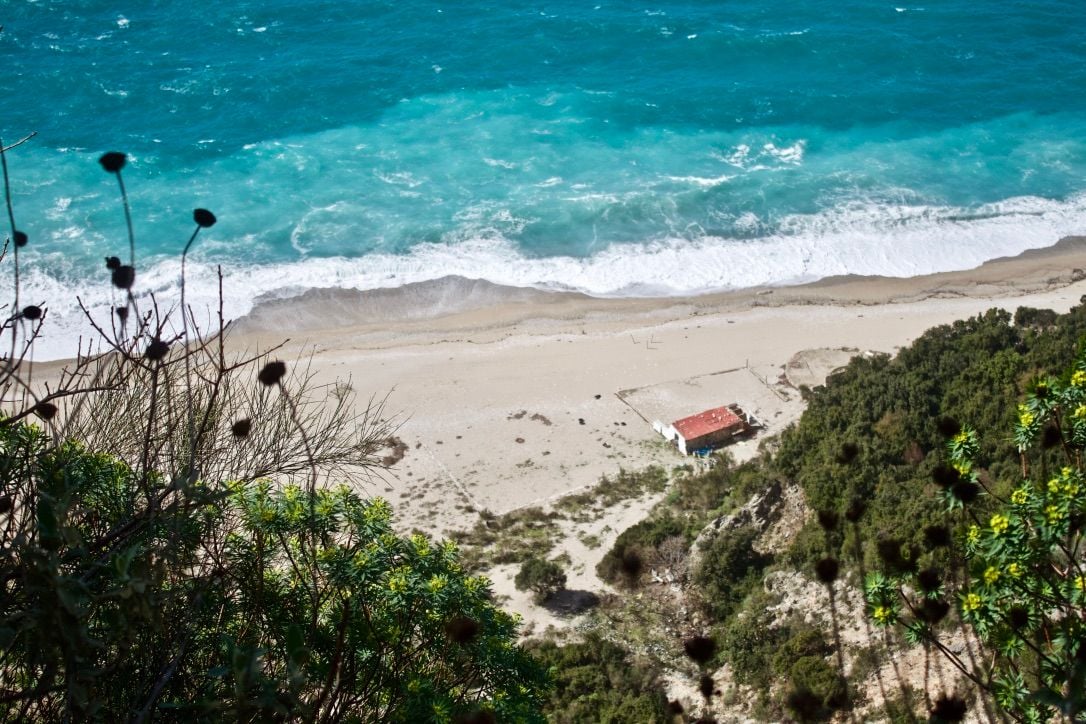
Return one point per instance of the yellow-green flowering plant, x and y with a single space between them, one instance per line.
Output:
1021 585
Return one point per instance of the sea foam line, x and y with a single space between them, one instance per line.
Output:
856 239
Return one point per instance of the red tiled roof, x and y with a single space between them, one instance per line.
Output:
703 423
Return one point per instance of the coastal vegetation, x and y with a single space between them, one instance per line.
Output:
542 577
175 547
887 504
597 680
521 534
1019 581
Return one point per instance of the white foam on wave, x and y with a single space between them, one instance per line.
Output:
499 163
701 181
855 239
792 154
399 178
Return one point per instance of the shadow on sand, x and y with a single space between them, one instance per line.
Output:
571 603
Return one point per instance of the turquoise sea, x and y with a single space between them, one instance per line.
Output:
616 148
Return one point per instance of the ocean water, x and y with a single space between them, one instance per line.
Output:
614 148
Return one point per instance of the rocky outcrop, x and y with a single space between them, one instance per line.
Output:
777 513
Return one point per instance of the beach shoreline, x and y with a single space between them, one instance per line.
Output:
515 400
457 303
509 397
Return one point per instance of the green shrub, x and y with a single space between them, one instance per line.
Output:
242 601
730 568
513 537
1032 317
720 488
1023 587
749 642
801 661
637 543
626 485
812 676
599 681
544 578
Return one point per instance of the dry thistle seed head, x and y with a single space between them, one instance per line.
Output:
45 410
948 709
705 686
203 218
479 716
674 707
890 553
1051 437
804 704
6 504
272 373
156 350
113 161
124 277
856 510
31 312
20 239
847 453
461 629
938 536
632 564
242 427
113 262
929 580
948 426
934 610
837 700
828 519
1075 521
699 648
827 569
122 313
966 491
945 476
1018 617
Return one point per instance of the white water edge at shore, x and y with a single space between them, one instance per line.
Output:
437 280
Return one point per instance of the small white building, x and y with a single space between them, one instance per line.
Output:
705 429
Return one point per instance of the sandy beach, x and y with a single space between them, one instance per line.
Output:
516 397
507 399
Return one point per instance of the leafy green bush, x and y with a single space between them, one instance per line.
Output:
1032 317
513 537
242 601
749 642
720 488
611 490
1023 590
729 569
635 545
544 578
599 681
779 658
801 661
